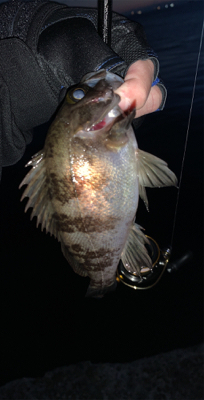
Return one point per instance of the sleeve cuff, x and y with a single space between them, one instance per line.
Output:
161 86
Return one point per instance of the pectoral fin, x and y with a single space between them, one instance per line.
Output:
152 172
135 255
37 192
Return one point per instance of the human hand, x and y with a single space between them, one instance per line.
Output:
137 91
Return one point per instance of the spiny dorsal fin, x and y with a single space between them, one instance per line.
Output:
36 190
152 172
135 255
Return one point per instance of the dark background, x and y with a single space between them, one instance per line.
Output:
46 321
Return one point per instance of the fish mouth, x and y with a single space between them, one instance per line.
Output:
114 123
108 121
103 124
102 103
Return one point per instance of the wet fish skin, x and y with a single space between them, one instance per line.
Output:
84 182
84 187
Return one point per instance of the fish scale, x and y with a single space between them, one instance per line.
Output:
105 177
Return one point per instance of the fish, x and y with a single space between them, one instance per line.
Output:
84 186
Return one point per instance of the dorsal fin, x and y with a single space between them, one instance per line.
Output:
37 192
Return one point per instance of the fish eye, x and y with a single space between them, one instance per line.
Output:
76 94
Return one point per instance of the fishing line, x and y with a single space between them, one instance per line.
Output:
187 133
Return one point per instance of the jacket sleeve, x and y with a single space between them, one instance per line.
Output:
45 47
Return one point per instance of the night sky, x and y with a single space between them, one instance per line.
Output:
120 5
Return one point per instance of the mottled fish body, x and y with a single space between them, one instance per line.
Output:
84 186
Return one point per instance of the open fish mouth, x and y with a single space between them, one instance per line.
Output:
108 120
104 124
105 111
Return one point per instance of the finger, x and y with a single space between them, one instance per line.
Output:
153 102
138 80
133 94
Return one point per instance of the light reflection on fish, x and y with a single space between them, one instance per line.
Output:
84 186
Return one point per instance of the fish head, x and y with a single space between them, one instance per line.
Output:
91 110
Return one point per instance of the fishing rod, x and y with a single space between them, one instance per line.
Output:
105 20
160 258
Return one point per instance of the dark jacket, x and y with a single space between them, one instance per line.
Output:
45 47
